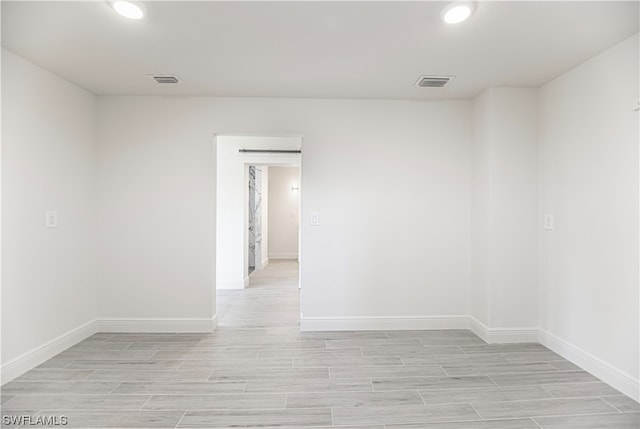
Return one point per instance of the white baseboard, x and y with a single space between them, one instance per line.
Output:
283 255
503 335
35 357
391 323
265 262
233 284
611 375
158 325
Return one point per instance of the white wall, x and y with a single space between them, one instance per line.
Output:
284 219
589 183
390 180
48 163
514 201
232 216
480 208
157 217
504 213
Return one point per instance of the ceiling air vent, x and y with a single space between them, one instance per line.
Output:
164 78
433 81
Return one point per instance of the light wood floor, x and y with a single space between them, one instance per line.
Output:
258 370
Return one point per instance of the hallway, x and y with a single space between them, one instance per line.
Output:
271 300
258 370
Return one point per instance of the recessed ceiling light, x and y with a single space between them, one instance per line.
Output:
129 9
457 11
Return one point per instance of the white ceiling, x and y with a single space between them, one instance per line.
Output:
312 49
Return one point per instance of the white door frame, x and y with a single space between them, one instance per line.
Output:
232 198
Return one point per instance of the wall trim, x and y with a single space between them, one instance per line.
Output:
388 323
503 335
233 284
608 373
186 325
29 360
265 262
283 255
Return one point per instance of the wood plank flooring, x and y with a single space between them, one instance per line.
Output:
259 370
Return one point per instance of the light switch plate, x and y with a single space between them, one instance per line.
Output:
315 219
52 219
548 222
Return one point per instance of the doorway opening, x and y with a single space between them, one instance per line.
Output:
273 215
258 232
